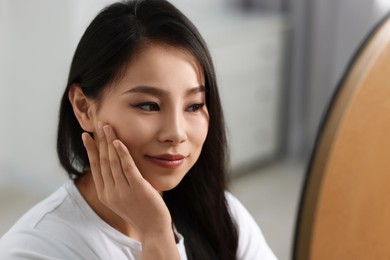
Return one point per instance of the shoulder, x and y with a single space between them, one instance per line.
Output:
33 217
239 213
45 231
28 243
251 243
63 226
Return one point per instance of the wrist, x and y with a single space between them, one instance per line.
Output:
159 245
151 236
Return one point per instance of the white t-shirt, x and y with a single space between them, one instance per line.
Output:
64 226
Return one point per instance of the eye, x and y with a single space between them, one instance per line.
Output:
195 107
148 106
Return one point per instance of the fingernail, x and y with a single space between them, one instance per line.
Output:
100 129
116 144
106 129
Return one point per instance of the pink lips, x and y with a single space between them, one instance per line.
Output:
170 161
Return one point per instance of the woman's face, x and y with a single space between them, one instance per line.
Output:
158 110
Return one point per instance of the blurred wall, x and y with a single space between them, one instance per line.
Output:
34 52
338 28
324 34
2 98
37 43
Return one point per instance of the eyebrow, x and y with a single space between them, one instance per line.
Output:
159 92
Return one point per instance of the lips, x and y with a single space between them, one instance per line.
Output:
169 161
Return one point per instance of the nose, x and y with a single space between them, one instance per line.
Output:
173 128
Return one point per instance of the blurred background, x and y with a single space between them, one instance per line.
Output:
277 61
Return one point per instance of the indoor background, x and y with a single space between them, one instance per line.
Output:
277 61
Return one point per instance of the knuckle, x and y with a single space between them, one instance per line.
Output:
114 162
101 197
104 161
94 165
127 167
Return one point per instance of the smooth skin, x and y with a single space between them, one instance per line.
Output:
157 108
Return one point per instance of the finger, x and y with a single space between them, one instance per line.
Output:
129 168
115 162
93 157
103 157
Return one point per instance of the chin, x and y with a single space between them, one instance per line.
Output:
164 184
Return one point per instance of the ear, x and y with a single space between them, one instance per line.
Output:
83 108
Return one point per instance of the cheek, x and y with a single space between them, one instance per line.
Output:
199 132
133 132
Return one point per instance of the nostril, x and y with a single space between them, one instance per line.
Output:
173 137
173 130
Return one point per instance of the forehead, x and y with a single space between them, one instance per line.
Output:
160 65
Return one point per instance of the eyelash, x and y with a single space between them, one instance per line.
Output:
155 107
196 107
149 104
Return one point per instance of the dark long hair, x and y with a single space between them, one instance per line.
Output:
198 206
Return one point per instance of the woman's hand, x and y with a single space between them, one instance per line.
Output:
121 187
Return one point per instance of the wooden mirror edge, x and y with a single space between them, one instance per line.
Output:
357 68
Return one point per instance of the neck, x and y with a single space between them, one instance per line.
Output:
86 186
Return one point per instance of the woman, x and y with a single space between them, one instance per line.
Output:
141 135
